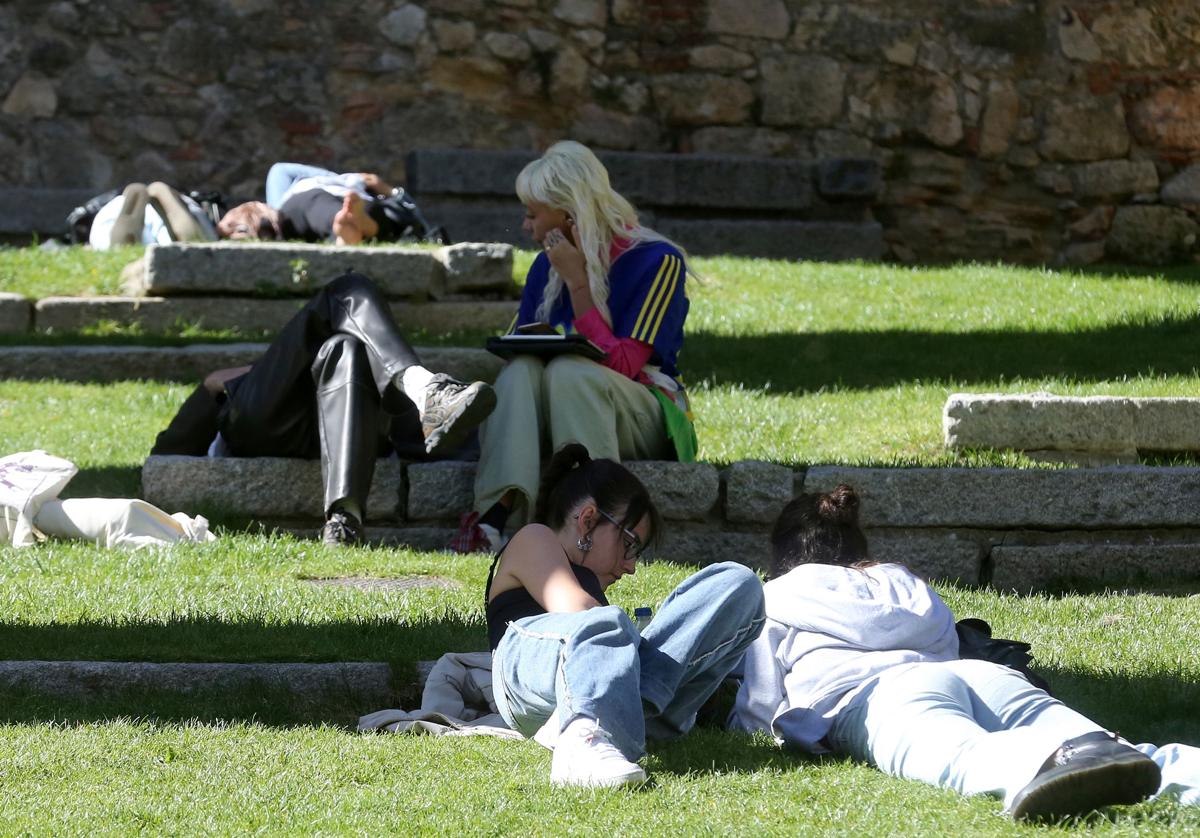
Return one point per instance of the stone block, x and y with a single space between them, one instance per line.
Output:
193 362
1114 179
1109 497
474 267
1151 235
28 210
711 181
260 487
681 491
830 241
1166 424
16 314
1037 421
273 269
705 547
755 492
948 555
1035 567
852 179
440 490
343 687
157 315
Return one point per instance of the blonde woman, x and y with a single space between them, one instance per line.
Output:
603 275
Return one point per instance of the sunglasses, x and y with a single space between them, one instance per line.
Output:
633 545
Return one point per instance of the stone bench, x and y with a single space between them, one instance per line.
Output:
1089 430
711 204
1022 529
193 362
292 269
26 212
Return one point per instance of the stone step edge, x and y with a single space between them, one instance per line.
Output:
80 678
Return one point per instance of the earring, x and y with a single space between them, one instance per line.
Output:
584 542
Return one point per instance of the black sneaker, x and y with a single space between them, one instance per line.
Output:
341 530
452 409
1084 774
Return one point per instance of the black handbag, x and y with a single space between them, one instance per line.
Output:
975 641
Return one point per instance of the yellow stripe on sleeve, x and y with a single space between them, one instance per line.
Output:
512 327
648 305
666 303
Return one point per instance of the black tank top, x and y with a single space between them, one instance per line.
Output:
517 603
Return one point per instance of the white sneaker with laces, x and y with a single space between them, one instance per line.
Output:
584 756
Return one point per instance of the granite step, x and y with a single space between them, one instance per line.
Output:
249 315
292 269
1092 429
193 362
1013 528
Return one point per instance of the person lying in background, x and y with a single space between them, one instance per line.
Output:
862 659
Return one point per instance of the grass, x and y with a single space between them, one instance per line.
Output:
797 364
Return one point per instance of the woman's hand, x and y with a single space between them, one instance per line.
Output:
565 257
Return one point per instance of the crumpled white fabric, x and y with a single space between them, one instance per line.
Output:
457 701
30 510
1180 766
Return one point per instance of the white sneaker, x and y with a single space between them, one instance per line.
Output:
584 756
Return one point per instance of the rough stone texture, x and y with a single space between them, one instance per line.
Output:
706 546
1024 568
1166 424
755 492
849 179
750 18
1094 498
1114 179
1169 118
822 240
251 316
440 491
950 555
261 487
681 491
1090 129
1151 235
1184 187
250 268
1032 422
802 90
474 267
184 363
16 313
347 688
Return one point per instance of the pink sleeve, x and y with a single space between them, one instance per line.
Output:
625 355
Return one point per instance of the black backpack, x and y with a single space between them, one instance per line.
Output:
79 220
399 218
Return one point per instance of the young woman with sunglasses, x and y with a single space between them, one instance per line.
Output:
572 669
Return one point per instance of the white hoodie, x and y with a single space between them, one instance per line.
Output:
829 630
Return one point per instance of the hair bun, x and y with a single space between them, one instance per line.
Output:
839 505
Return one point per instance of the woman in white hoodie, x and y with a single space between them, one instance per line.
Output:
860 658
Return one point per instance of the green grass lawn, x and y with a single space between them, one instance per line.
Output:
792 363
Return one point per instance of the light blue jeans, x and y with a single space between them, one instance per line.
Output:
968 725
281 176
594 663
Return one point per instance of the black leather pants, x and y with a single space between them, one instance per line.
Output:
324 388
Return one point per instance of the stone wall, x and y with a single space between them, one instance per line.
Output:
1024 130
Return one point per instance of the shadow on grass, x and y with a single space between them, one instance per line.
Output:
213 640
808 362
105 482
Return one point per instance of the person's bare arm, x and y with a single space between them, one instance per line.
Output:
535 560
215 381
375 184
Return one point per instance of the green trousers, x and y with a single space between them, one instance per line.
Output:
542 406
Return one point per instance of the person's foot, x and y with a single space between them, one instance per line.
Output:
341 530
351 224
584 756
452 409
1085 774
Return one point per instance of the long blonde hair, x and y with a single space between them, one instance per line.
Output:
569 177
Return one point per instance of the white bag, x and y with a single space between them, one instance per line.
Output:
27 480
